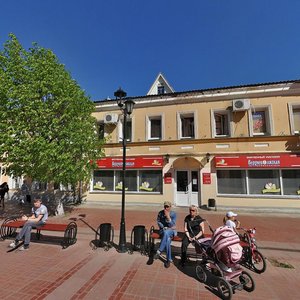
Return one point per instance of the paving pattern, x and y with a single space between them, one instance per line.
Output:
46 271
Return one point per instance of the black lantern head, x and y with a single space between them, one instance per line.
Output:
120 94
129 106
207 156
167 158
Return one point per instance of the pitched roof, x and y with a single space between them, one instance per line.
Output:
160 81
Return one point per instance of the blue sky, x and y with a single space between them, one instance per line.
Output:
196 44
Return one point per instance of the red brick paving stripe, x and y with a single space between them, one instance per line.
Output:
118 293
49 288
83 291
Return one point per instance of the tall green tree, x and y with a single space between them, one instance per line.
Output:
47 130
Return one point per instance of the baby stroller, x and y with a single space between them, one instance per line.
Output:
220 255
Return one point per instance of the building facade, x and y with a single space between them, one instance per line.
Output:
237 145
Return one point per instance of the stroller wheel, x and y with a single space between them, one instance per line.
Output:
247 281
224 289
200 272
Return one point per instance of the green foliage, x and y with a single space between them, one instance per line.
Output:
47 130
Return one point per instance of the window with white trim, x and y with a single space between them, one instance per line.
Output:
294 111
186 126
128 130
160 89
221 123
260 121
266 182
154 128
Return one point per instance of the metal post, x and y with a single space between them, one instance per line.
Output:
122 239
126 108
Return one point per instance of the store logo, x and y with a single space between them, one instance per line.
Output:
117 164
221 162
156 162
263 163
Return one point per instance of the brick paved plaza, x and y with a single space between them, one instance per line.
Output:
78 272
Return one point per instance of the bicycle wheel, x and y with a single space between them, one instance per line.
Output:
258 262
224 289
247 281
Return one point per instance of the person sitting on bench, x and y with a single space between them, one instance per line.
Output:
38 218
166 221
193 229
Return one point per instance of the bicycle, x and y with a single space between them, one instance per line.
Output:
252 257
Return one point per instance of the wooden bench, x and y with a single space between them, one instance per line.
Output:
10 225
154 235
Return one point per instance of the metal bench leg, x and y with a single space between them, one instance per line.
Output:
70 235
6 231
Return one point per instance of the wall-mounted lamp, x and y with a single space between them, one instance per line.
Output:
207 156
167 158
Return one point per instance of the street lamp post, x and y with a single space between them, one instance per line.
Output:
126 108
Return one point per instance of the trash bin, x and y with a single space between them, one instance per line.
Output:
212 203
139 237
105 235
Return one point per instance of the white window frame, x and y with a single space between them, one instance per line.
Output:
269 120
213 112
186 114
161 89
291 107
149 118
120 129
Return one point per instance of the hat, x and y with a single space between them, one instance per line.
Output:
167 203
230 214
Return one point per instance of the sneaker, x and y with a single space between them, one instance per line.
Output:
156 255
24 247
14 244
167 264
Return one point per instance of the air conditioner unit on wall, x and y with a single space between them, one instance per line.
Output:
240 104
111 118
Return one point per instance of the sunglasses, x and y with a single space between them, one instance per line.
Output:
192 209
166 206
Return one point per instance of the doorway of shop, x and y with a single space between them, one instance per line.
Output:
187 187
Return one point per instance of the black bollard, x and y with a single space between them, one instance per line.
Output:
105 232
138 238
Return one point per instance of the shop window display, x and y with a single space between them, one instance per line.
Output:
149 181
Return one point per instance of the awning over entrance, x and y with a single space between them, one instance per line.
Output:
141 162
261 161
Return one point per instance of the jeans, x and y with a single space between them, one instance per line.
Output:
26 231
166 239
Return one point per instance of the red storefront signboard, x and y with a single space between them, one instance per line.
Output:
206 178
143 162
263 161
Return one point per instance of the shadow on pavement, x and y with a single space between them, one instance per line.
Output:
190 270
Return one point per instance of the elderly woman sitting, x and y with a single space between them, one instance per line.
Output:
194 229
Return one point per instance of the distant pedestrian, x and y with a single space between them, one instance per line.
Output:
38 217
3 190
26 192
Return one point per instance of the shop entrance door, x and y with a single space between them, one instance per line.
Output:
187 187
